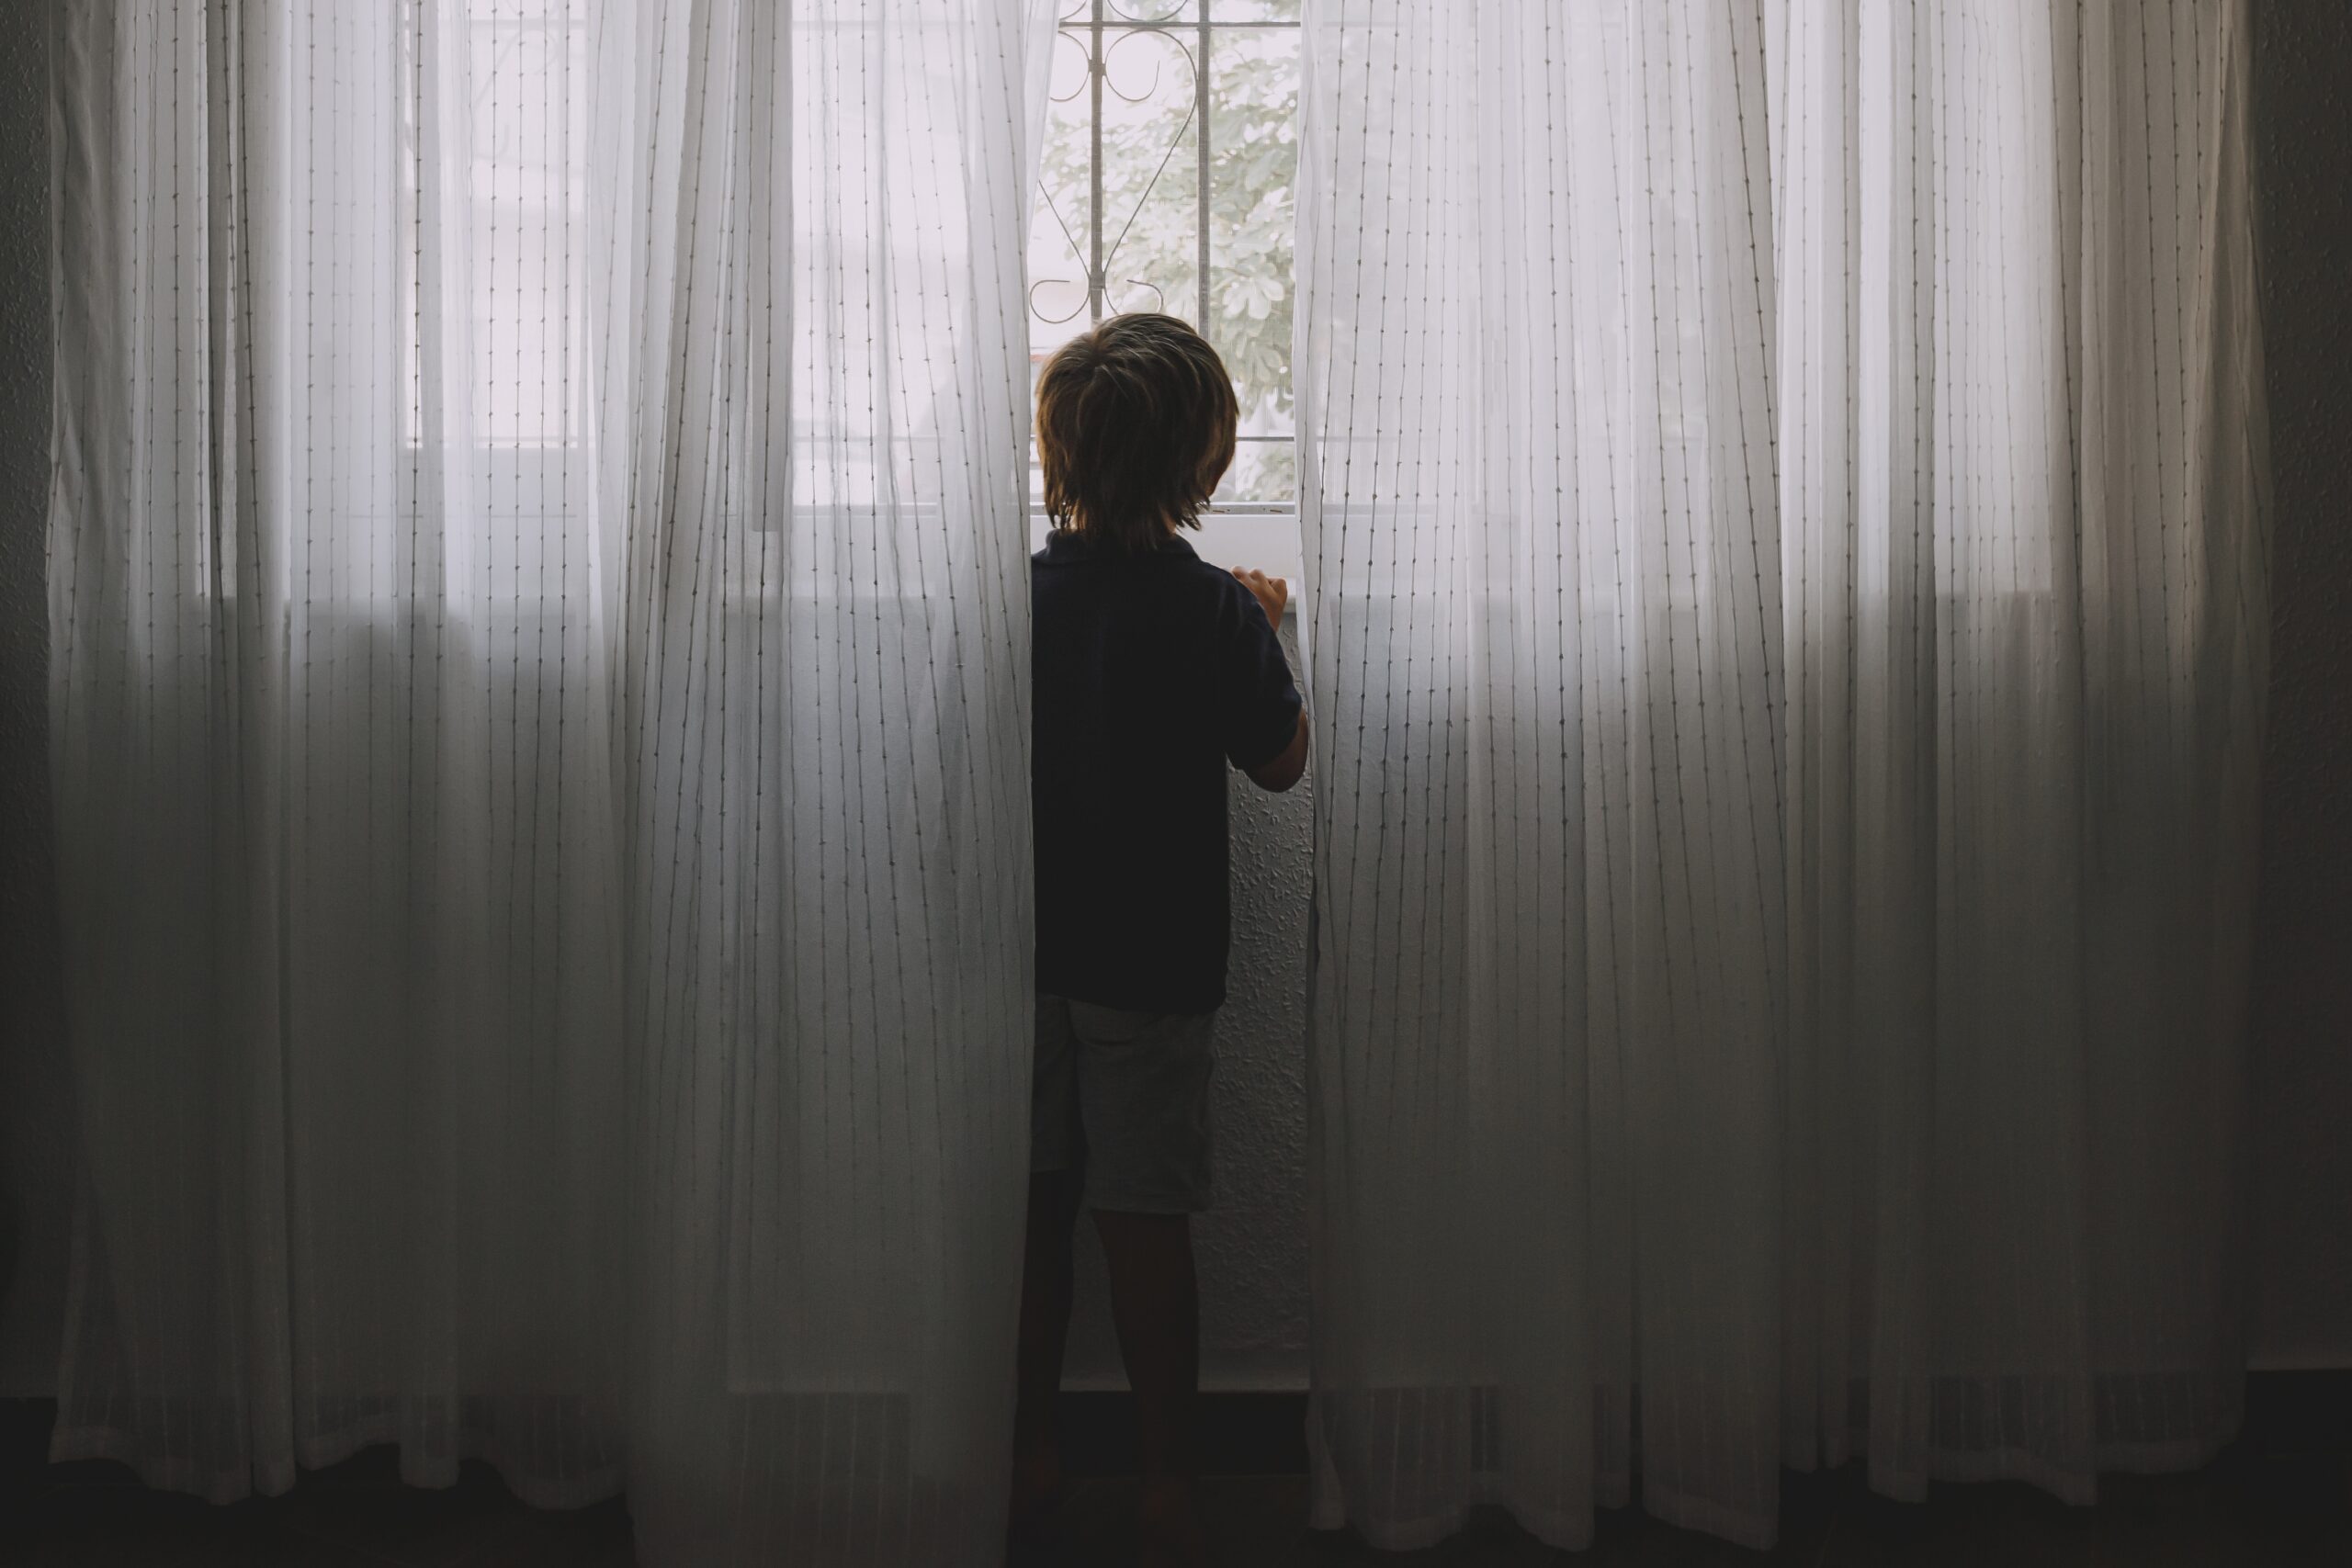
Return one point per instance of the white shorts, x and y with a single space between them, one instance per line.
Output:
1123 1096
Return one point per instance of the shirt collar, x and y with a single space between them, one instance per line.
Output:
1061 545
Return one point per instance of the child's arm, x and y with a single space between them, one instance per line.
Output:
1284 768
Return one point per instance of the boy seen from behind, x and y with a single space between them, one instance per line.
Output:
1152 671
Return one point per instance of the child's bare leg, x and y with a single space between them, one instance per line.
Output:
1045 1331
1155 1304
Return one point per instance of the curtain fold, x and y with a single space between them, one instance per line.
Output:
540 688
1782 492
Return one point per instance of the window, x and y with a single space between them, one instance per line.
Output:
1170 152
1165 184
527 75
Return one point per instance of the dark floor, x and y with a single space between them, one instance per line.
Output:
2259 1510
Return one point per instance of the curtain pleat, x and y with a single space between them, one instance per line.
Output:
540 677
1782 493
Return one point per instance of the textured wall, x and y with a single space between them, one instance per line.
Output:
1252 1248
2301 1083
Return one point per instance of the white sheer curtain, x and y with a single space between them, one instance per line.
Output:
537 591
1786 574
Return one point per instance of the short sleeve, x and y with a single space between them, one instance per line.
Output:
1260 702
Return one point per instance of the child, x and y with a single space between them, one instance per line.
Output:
1152 670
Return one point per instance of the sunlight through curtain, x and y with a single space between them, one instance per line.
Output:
1783 499
540 682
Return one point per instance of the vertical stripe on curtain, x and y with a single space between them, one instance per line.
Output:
540 679
1783 487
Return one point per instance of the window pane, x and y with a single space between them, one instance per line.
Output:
525 66
1158 203
1149 230
1152 233
1253 162
1062 218
1262 470
525 73
1136 10
1253 10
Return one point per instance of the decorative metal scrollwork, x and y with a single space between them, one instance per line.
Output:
1055 300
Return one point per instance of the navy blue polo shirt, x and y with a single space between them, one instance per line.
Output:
1151 672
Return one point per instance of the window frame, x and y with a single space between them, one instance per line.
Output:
1095 22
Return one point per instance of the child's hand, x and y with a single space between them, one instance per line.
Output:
1272 592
